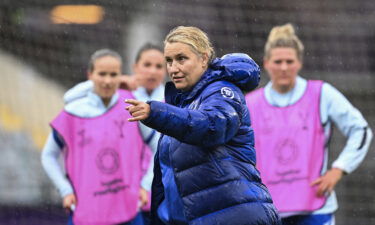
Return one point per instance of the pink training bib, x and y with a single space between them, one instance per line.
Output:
103 160
289 143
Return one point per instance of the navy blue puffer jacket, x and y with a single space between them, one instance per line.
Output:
210 144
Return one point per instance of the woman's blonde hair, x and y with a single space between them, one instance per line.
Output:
283 37
194 37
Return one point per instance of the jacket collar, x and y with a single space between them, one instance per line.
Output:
236 68
177 97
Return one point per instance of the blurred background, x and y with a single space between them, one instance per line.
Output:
45 47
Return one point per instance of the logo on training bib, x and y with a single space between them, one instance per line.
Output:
108 161
287 152
226 92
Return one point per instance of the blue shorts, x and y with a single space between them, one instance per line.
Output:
138 220
311 219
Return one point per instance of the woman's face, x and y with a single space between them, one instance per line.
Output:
106 76
283 66
184 66
150 69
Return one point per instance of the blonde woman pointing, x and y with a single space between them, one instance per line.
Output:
204 171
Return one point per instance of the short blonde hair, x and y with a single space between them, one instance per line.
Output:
194 37
283 36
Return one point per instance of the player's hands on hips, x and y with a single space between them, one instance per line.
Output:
143 197
328 181
138 110
69 202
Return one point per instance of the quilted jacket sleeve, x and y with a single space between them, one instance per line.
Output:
213 123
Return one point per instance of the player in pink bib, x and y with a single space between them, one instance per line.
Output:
103 152
289 138
292 120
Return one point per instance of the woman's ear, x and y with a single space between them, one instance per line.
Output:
300 65
265 63
88 75
205 60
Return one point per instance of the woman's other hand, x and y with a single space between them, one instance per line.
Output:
69 202
143 197
328 181
129 82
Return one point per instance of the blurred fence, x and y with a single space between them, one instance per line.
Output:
339 38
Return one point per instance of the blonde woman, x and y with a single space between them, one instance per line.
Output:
292 119
204 170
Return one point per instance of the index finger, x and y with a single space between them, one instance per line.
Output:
132 101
